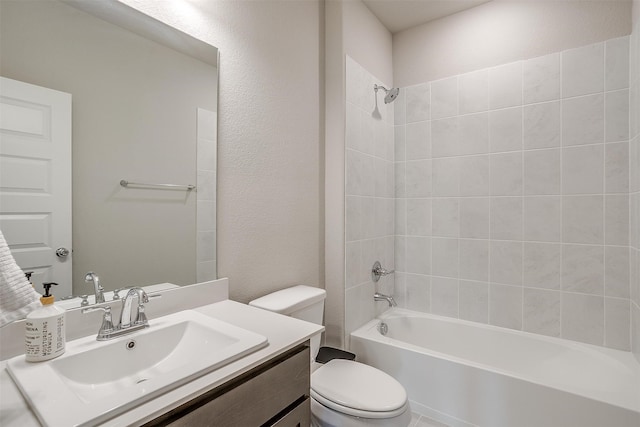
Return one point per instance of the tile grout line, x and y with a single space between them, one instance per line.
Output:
562 146
522 303
604 197
459 142
490 158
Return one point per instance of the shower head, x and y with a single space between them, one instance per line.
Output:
391 94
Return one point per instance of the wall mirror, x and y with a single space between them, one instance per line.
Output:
143 102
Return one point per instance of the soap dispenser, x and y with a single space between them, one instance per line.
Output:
44 335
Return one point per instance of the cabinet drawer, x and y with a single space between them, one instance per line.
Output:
299 416
254 399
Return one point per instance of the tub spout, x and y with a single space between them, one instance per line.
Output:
381 297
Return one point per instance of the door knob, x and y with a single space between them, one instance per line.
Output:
62 252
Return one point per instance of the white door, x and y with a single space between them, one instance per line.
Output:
35 180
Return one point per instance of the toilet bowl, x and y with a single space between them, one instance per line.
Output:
343 392
348 393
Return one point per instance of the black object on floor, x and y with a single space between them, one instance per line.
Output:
329 353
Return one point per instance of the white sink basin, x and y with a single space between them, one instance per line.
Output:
94 381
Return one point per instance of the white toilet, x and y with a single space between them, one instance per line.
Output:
343 392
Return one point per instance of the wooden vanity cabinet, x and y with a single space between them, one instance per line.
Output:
275 393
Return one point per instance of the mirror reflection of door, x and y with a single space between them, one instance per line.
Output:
35 180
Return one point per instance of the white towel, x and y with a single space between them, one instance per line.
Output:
17 296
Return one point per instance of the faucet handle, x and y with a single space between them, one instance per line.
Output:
105 308
142 317
85 300
377 271
115 294
107 323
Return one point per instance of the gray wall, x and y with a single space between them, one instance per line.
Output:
270 153
503 31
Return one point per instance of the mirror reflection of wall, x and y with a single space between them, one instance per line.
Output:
135 116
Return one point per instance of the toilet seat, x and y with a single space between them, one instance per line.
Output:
356 412
359 390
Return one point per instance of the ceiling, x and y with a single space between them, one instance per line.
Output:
398 15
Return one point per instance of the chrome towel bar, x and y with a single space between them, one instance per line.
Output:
187 187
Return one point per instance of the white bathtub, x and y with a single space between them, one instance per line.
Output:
470 374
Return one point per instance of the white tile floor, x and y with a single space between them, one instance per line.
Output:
418 420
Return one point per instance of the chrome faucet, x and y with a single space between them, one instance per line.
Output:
128 323
381 297
125 315
97 288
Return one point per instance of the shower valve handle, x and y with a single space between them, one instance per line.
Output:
377 271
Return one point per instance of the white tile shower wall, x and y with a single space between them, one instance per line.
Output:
515 209
207 135
370 189
634 185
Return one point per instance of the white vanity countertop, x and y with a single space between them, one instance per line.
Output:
282 332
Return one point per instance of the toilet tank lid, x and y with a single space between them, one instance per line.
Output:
290 300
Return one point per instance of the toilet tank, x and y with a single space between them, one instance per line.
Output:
300 302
